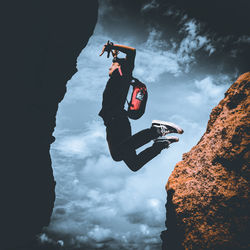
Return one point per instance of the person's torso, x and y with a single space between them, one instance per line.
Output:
115 94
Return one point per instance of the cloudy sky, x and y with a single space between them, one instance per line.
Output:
187 62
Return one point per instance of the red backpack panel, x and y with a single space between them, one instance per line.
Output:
137 104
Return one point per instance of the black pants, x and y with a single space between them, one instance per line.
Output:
122 144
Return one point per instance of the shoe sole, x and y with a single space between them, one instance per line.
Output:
167 138
170 124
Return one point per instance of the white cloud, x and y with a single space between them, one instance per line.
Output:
153 60
206 92
49 242
151 64
174 12
192 43
44 238
149 6
83 145
157 56
244 39
144 229
100 234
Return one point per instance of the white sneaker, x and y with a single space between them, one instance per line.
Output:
166 127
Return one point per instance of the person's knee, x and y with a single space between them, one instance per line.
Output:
115 156
133 168
132 165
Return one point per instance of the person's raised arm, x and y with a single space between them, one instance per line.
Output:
124 49
129 51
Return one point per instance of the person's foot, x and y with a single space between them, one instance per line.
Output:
164 142
164 128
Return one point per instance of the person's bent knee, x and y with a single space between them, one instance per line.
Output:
116 157
132 166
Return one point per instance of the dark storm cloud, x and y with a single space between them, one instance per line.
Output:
141 217
225 23
225 17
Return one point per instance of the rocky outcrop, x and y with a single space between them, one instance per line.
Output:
208 191
40 42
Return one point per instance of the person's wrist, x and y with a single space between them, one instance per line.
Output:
111 45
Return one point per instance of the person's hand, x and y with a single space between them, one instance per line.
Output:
104 49
107 47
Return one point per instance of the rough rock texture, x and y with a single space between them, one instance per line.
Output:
208 191
40 42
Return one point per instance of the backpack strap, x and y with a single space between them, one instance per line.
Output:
132 84
135 81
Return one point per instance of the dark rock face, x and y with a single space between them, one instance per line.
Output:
208 191
40 42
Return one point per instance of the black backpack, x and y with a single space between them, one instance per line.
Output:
137 104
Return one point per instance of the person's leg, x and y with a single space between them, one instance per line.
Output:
135 162
122 145
118 131
139 139
121 141
158 128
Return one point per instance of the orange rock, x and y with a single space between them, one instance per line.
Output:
208 191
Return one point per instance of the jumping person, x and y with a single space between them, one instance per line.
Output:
122 145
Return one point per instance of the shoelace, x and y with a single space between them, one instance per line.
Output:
164 131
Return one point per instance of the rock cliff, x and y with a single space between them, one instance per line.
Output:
208 191
40 42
